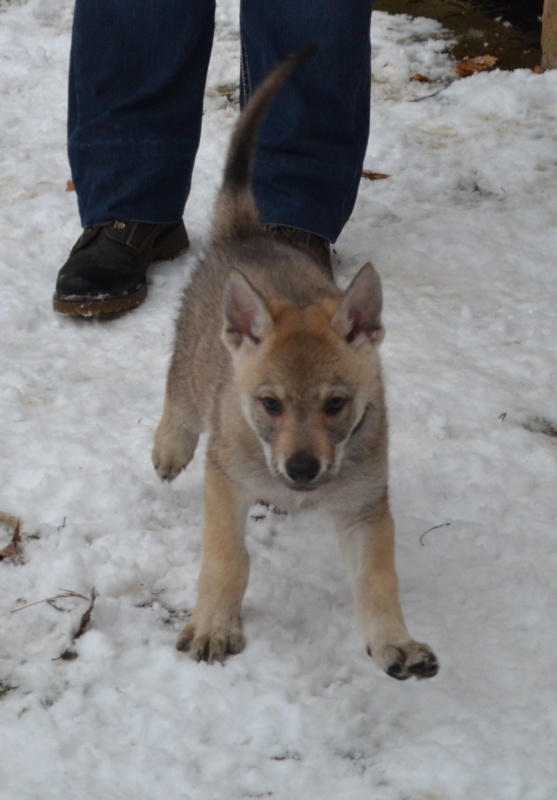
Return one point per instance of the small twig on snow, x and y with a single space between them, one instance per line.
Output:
69 653
435 527
50 600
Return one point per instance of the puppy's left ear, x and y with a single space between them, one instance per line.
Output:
359 312
246 317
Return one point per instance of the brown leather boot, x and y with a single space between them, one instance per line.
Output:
106 270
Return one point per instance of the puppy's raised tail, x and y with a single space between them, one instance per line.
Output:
236 214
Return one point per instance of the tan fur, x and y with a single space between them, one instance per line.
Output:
267 351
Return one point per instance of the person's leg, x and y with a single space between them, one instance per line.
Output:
313 141
137 78
136 85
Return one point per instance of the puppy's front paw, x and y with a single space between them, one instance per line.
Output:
172 452
406 660
212 641
167 464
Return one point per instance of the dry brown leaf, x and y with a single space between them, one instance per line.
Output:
7 552
9 519
374 176
421 78
468 66
69 186
12 550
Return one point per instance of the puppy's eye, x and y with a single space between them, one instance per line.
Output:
334 405
272 405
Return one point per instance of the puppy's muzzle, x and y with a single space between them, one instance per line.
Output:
302 470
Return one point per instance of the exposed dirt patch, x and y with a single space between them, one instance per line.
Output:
477 33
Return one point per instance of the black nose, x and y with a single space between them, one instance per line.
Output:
302 468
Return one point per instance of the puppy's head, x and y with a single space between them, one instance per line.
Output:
305 376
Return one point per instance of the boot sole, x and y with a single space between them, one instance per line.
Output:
166 249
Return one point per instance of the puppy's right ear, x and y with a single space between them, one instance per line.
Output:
246 318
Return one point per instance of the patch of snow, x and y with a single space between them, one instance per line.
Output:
463 234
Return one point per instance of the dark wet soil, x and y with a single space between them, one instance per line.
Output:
523 14
514 48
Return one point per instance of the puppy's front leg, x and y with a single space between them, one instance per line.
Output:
367 541
215 628
175 439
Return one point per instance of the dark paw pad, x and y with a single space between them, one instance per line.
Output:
412 660
397 670
426 668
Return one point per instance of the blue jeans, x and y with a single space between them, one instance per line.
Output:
137 78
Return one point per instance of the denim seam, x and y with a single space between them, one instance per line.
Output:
246 78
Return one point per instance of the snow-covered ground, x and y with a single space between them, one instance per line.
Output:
464 235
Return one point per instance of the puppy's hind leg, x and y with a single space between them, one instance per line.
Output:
367 540
175 441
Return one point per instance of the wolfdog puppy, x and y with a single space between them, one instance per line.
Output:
282 369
